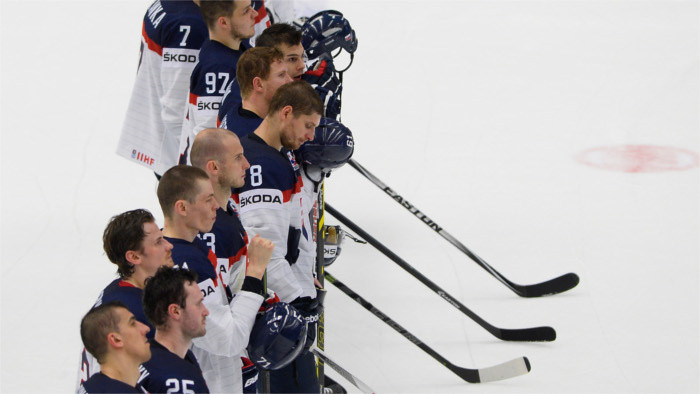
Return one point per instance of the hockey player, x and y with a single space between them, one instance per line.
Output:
172 34
118 340
173 303
230 24
135 244
270 206
189 206
261 72
219 153
282 37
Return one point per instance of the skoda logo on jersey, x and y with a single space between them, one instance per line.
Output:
258 198
293 160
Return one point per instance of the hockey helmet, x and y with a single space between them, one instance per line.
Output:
326 31
278 337
331 147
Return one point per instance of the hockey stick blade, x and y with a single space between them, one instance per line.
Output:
549 287
534 334
355 381
507 370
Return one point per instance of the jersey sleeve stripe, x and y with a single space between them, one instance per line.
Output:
152 45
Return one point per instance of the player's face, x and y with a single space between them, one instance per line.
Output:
243 20
293 59
133 335
155 250
195 313
201 213
299 130
278 77
234 166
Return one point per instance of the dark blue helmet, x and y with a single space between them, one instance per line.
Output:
331 147
278 337
325 32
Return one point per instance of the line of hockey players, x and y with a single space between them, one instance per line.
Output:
240 137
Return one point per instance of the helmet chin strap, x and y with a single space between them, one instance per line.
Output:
313 172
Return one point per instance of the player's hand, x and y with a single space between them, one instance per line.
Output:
259 253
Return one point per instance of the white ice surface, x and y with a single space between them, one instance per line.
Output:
473 111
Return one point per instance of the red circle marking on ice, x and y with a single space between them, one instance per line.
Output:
639 158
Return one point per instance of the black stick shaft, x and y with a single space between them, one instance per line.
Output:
506 370
525 334
552 286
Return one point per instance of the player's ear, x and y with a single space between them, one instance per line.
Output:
222 22
212 166
286 112
174 311
257 84
133 257
115 340
180 208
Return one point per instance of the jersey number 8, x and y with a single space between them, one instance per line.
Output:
256 175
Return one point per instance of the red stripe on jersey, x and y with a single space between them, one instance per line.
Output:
150 43
262 14
193 98
299 185
287 194
235 198
125 284
234 259
212 259
218 121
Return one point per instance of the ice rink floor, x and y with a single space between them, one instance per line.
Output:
547 136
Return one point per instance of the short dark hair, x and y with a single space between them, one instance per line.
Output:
279 33
166 287
123 233
179 183
255 62
300 96
96 325
213 9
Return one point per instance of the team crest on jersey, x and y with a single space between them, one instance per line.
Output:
292 159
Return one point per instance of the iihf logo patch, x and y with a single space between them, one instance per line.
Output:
293 160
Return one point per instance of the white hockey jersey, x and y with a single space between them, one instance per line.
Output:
172 34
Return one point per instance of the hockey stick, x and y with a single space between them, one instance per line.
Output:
553 286
509 369
342 371
534 334
321 325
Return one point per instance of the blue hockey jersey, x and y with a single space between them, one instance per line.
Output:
208 82
101 383
167 372
228 240
240 121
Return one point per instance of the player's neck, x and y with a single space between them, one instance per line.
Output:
123 370
172 341
222 194
138 278
269 133
225 39
179 229
256 104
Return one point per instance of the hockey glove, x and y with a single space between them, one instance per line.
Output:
250 376
310 309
